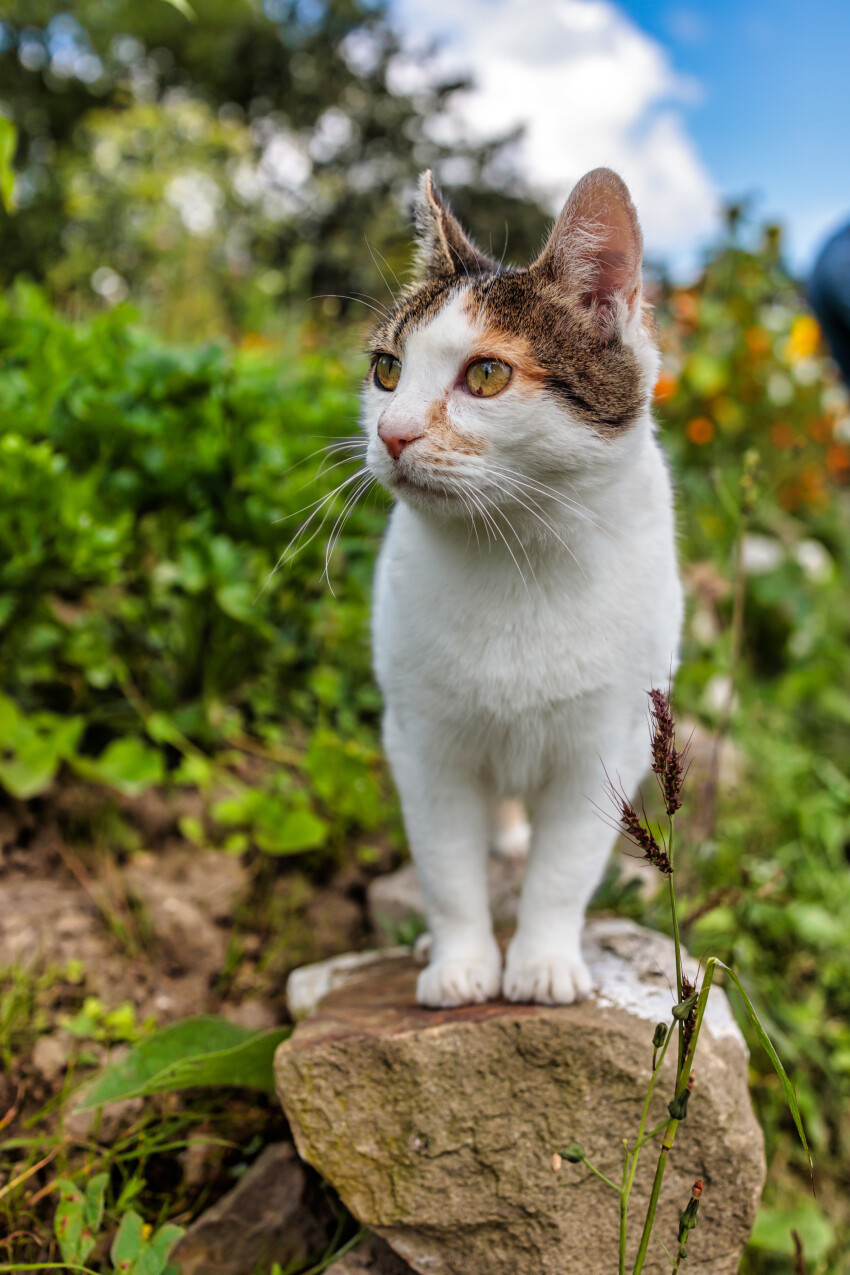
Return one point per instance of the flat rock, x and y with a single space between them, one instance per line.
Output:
437 1127
265 1218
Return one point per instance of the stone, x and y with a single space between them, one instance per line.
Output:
266 1218
373 1255
438 1127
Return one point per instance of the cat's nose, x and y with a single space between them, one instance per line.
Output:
396 437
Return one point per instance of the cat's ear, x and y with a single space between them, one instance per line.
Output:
595 248
443 248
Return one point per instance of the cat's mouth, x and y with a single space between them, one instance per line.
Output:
425 486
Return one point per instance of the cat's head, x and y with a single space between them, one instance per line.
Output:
488 382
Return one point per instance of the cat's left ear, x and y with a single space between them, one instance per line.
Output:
595 248
444 249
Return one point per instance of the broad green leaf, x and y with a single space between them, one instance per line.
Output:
197 1051
773 1227
183 6
767 1045
31 769
154 1256
129 765
297 830
69 1222
8 146
127 1244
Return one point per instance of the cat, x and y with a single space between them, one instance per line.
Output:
526 592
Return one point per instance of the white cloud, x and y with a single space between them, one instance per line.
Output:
591 88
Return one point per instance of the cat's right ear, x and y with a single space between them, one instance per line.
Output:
443 248
594 251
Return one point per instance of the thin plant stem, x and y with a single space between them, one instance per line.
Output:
673 1123
602 1177
631 1160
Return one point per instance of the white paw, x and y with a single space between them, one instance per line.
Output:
461 980
545 977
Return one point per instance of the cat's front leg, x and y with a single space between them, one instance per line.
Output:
571 843
446 818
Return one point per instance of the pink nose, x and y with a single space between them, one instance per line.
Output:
396 437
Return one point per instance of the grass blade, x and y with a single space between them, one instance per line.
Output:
767 1044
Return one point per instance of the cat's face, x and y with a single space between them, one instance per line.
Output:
488 384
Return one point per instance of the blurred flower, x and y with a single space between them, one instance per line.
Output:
665 386
700 430
804 339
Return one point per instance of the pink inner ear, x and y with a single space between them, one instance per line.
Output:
596 244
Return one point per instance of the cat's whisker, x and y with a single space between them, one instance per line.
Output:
294 548
313 505
380 271
339 526
542 489
382 312
546 524
495 508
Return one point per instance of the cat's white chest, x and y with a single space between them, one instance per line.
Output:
460 627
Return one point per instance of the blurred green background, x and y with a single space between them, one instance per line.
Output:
201 204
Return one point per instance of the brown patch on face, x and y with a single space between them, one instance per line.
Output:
444 436
561 346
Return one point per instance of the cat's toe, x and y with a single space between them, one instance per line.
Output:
452 981
546 978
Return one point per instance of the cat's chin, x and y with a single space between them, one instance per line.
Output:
427 496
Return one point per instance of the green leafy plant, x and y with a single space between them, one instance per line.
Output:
78 1217
136 1250
194 1051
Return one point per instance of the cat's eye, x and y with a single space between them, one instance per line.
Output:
486 377
387 371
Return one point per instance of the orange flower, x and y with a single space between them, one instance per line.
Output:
757 340
838 461
821 429
784 435
700 430
685 307
665 386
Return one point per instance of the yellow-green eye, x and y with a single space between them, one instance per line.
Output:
486 377
387 371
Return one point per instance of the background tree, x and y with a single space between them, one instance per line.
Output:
204 166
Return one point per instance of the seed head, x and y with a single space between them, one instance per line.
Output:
668 762
640 835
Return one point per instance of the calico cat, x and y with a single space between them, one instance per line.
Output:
526 593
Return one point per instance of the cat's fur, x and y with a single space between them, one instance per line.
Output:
526 594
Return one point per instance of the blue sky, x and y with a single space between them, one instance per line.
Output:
774 119
693 103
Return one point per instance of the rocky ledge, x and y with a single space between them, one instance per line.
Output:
437 1128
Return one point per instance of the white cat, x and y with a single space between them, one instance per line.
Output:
527 594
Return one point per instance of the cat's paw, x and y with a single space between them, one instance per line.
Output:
545 977
469 979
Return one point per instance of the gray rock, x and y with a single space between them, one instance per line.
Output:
264 1219
438 1127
